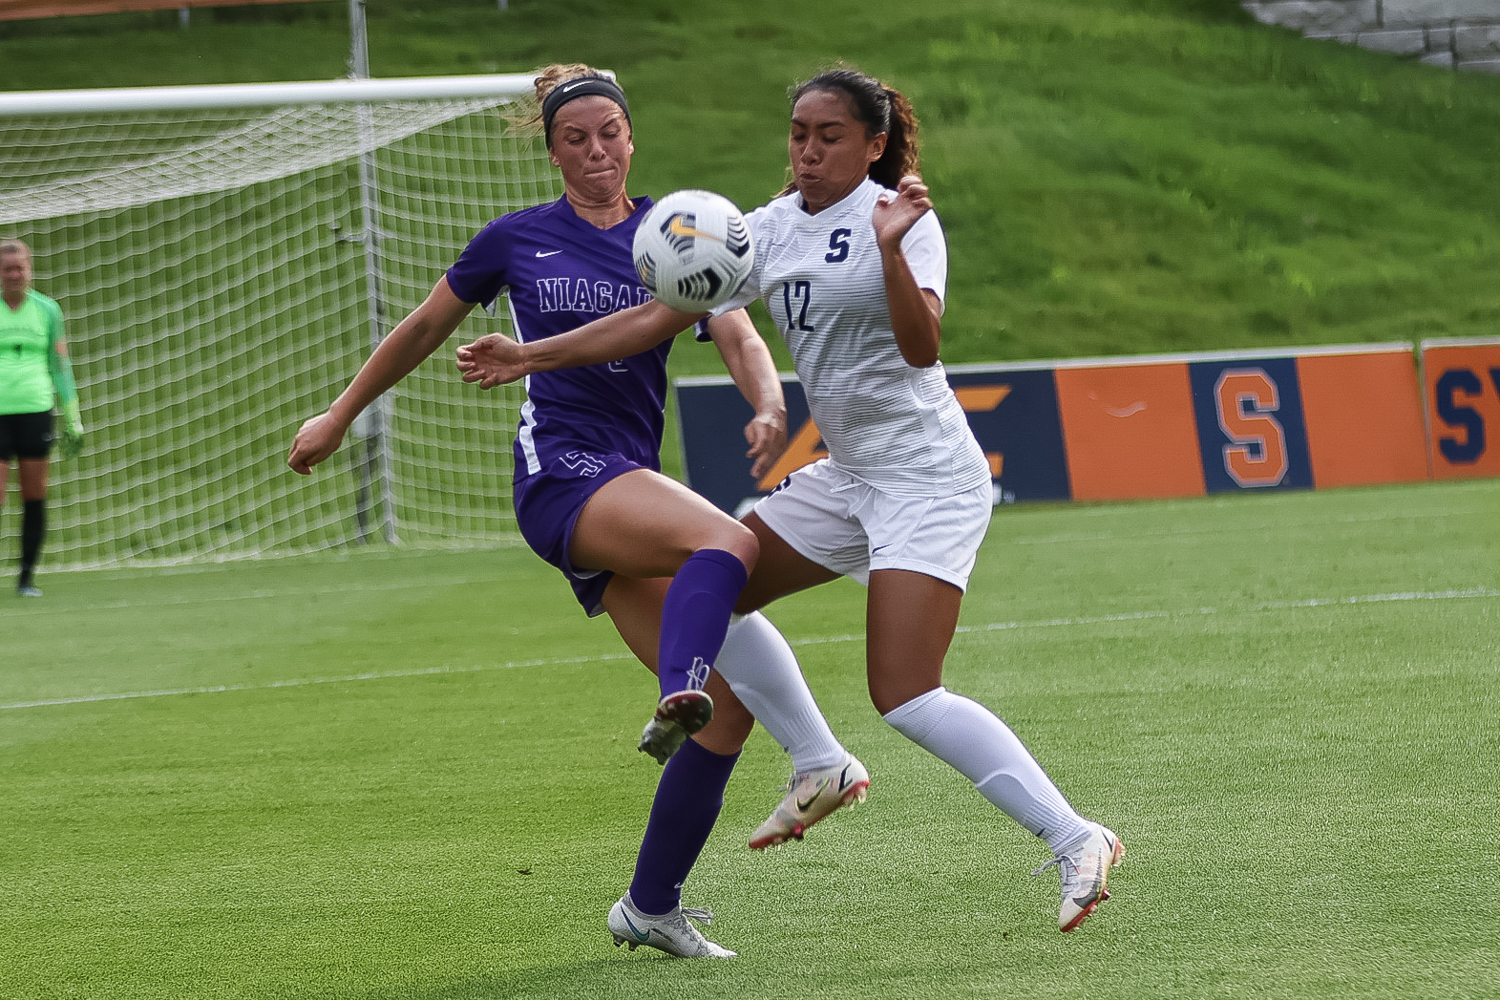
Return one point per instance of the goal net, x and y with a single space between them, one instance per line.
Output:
224 266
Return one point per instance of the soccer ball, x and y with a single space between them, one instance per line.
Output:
693 250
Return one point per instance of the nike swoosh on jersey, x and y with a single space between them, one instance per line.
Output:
547 253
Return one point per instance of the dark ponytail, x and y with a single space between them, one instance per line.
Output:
880 109
903 154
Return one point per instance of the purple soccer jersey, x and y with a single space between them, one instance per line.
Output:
562 272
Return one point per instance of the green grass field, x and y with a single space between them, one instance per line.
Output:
413 775
390 774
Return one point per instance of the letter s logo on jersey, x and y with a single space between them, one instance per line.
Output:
838 246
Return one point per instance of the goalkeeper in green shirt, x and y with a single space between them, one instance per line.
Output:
33 366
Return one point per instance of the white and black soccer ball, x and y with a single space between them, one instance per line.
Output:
693 250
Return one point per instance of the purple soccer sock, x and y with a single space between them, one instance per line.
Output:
695 616
687 803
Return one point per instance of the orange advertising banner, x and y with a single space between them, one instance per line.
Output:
18 10
1203 423
1129 430
1363 411
1173 425
1462 379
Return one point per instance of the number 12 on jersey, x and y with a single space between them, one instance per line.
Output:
795 295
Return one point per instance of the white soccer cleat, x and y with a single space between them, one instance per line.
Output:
678 716
669 932
813 796
1085 872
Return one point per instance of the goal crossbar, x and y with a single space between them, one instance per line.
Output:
257 95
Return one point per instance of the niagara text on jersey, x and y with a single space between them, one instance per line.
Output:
559 273
896 427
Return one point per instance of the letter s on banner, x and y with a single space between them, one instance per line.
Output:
1467 448
1245 399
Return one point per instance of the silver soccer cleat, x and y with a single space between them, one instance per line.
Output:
1085 872
678 716
813 796
669 932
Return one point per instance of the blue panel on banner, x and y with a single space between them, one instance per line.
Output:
712 419
1250 424
1013 414
1015 417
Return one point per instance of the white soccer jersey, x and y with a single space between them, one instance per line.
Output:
896 427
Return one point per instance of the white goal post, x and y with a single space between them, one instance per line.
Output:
225 257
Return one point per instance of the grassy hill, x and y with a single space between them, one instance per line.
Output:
1116 176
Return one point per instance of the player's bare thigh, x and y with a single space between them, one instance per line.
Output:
910 617
634 605
643 524
779 571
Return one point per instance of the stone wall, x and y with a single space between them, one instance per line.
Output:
1464 34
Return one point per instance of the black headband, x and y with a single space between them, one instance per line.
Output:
585 86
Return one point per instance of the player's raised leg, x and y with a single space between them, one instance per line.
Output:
644 525
911 623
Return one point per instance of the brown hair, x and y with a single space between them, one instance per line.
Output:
880 109
15 246
549 78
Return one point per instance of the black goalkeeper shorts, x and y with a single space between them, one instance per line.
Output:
25 435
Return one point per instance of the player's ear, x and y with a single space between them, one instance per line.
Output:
877 146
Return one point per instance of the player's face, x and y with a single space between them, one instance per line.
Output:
830 149
591 146
15 273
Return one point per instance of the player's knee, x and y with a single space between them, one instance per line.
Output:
739 541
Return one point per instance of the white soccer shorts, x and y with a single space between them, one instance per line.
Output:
849 526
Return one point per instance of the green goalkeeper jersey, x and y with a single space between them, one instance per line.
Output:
28 340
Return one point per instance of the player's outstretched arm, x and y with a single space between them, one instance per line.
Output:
411 343
749 362
496 359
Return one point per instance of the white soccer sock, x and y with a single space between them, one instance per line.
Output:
762 670
983 749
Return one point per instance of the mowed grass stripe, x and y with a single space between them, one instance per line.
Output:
1314 602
